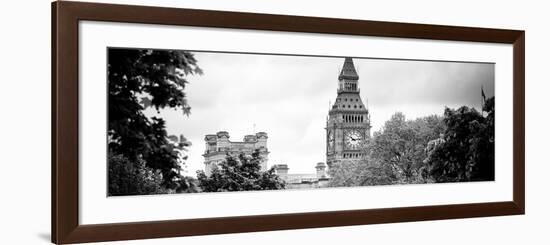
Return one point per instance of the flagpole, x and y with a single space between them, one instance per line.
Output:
482 99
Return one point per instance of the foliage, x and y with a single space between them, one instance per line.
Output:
401 146
186 184
466 150
240 173
140 79
128 178
395 154
457 147
366 172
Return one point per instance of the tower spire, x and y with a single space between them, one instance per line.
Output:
348 71
347 80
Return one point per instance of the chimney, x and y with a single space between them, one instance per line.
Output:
321 170
281 170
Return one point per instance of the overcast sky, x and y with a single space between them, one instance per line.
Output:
288 97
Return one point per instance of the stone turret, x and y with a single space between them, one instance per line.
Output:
222 134
281 170
211 141
223 140
262 140
321 170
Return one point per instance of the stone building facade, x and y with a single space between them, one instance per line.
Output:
218 146
348 122
304 181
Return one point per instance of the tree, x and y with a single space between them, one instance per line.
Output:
240 173
401 146
366 172
132 178
395 154
465 152
147 78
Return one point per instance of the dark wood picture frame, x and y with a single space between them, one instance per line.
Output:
65 207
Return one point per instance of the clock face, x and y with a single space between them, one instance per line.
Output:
330 140
353 139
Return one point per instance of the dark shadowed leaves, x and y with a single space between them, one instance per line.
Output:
466 151
147 78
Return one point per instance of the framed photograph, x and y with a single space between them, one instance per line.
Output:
174 122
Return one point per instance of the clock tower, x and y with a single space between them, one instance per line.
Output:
348 122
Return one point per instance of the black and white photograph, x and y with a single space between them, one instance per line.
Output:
182 121
275 122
